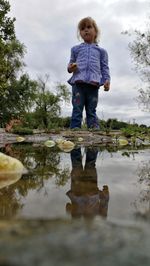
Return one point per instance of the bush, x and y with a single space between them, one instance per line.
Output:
135 130
59 122
22 130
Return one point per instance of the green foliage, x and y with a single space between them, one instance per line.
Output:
112 124
59 122
30 120
18 99
7 31
63 92
17 93
115 124
11 62
48 103
22 130
47 106
140 51
136 131
11 50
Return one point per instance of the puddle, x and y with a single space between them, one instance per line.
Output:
86 182
89 206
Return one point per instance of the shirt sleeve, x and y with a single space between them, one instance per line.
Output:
104 66
72 56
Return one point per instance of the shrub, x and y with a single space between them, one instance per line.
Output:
22 130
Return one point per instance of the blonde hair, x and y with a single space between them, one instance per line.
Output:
83 22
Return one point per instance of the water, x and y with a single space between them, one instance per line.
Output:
89 206
86 182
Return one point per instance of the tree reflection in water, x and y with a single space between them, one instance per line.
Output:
9 202
86 198
142 203
41 164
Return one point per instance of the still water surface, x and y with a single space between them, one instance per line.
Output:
86 182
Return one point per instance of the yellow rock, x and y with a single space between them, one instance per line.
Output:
80 139
123 142
59 141
11 170
66 145
20 139
49 143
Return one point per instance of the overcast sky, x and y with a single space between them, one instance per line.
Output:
48 30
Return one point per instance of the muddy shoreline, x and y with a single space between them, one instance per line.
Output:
88 137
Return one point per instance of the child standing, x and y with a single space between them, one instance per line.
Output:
89 65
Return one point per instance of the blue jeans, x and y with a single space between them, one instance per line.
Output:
84 95
91 157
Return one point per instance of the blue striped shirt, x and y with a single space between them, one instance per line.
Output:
92 64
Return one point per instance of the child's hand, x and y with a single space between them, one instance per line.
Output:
106 85
72 67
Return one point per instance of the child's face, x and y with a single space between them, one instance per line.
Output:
88 33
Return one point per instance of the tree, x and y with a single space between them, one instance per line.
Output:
113 123
11 50
19 98
140 52
6 24
48 103
16 90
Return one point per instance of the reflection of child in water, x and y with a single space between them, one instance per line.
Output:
86 198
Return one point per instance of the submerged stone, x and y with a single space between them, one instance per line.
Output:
11 170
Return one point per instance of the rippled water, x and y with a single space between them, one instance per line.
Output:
87 182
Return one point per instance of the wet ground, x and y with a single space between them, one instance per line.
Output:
81 242
88 206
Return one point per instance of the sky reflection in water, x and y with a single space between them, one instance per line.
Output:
86 182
